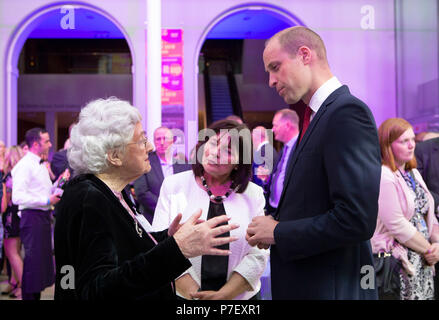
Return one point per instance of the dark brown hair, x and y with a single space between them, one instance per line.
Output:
242 175
34 135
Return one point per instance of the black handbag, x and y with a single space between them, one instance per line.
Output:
387 270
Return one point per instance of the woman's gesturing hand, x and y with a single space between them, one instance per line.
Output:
195 238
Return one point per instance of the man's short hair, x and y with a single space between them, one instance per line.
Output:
33 135
291 39
289 115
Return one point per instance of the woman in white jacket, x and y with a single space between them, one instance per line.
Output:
218 184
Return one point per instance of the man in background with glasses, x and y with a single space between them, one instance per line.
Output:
147 187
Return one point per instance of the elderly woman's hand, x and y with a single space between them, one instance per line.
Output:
175 224
196 239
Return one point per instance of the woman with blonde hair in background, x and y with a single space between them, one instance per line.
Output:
11 222
406 226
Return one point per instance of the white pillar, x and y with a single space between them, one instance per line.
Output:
153 66
11 107
52 128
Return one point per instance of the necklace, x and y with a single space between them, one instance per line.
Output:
118 194
138 230
218 199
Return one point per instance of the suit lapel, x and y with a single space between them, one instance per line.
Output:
294 156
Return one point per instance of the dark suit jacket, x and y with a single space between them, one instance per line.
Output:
147 187
60 163
427 156
96 235
329 205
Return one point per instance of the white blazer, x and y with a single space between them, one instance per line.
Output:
180 193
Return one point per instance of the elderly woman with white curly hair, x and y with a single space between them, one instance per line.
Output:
103 248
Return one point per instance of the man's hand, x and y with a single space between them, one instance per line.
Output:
263 173
54 198
260 232
196 239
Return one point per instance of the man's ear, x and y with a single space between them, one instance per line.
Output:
306 54
114 157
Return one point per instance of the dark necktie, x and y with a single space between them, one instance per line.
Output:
306 120
214 268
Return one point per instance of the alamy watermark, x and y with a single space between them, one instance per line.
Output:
368 280
67 21
368 19
68 280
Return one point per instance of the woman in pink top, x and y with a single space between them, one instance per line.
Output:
406 224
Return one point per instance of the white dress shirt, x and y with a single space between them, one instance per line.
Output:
167 169
322 94
180 193
31 184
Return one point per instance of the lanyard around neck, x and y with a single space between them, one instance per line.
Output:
412 180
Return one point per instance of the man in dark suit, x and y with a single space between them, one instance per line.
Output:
59 162
327 212
286 130
147 187
427 157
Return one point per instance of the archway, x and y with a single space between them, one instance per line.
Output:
15 46
247 21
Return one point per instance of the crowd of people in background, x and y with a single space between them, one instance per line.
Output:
406 225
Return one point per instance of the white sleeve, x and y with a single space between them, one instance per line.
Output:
162 219
20 193
253 264
162 213
193 274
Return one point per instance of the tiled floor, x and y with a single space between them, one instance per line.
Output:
45 295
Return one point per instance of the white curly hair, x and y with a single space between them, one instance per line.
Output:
104 124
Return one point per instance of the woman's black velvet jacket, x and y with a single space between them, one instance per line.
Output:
96 236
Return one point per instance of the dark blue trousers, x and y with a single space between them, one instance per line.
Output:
38 264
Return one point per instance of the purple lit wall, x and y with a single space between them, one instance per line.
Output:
417 63
87 24
360 38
